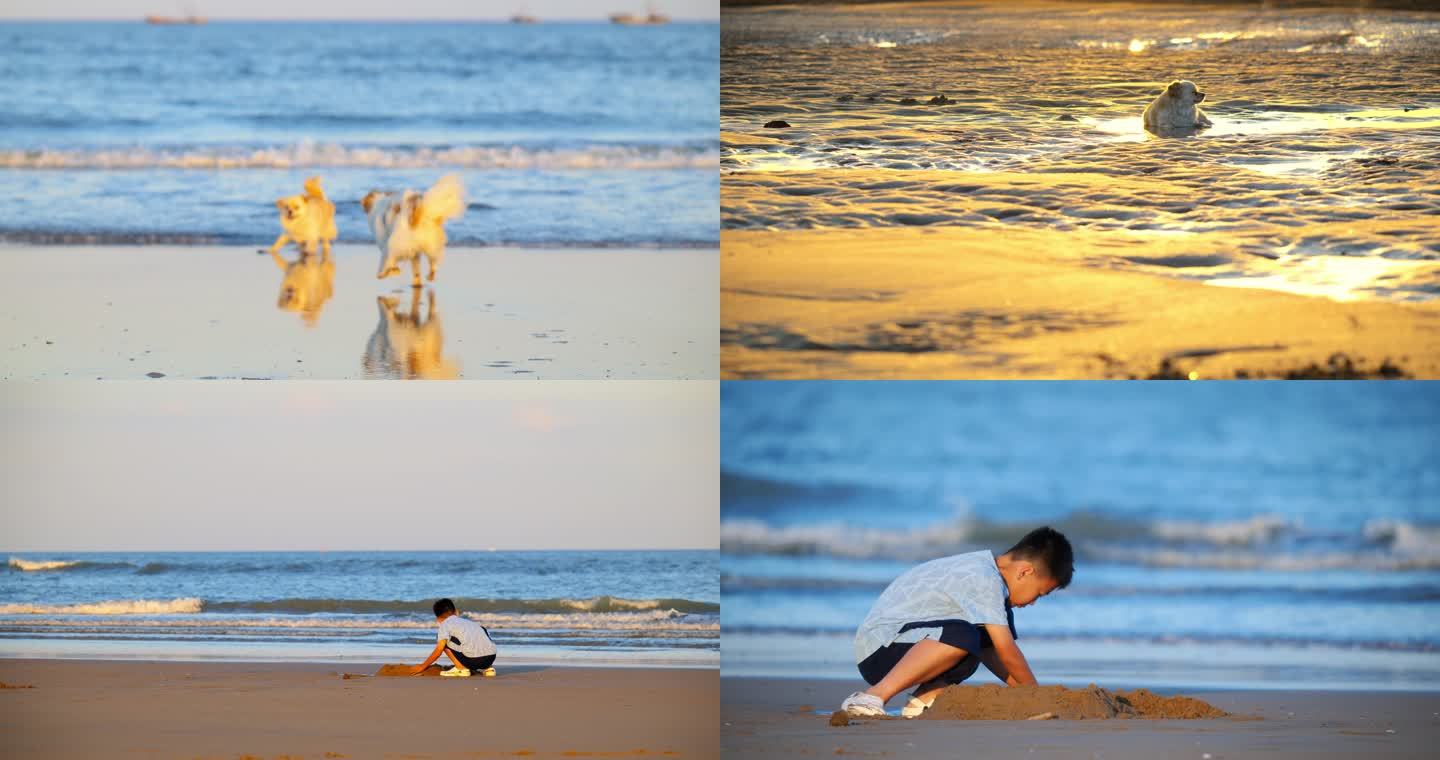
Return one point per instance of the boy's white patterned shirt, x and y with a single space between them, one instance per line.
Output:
965 587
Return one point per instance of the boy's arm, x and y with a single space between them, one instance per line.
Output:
1006 654
435 655
992 662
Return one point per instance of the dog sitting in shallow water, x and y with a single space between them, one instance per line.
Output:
1177 108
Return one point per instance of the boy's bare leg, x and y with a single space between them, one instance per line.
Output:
928 696
927 659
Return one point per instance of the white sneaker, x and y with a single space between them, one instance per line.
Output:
863 705
913 709
456 672
488 673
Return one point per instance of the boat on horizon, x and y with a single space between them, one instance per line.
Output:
650 18
174 20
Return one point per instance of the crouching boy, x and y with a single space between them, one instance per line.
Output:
465 642
938 622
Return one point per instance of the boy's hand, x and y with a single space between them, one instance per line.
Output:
417 670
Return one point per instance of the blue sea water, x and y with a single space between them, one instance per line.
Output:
656 608
564 134
1259 535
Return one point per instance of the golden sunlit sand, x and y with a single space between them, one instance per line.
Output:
195 709
954 302
1011 133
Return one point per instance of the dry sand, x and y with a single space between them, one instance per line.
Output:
765 718
212 710
117 312
1029 304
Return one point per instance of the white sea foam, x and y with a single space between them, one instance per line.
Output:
37 565
330 155
1405 538
1257 543
1254 530
116 607
753 536
649 621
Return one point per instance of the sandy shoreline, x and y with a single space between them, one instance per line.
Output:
946 303
124 312
129 709
778 718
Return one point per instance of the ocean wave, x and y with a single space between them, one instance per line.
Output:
185 605
592 606
306 155
31 566
1263 542
663 621
599 604
1179 639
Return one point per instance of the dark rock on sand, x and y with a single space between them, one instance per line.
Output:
154 374
940 100
845 98
1067 117
839 718
777 124
909 102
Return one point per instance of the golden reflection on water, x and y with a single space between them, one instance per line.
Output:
406 345
307 284
1339 278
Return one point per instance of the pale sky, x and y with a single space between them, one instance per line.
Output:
214 466
356 9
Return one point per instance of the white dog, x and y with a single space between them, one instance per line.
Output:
308 219
408 224
1176 108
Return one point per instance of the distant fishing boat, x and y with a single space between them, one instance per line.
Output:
168 20
635 19
523 19
190 17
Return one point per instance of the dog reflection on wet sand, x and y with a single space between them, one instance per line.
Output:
406 347
308 283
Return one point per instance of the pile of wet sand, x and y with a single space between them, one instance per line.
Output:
404 670
993 702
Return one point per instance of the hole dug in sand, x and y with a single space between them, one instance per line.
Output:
992 702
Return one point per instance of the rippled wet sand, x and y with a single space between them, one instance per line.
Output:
1321 175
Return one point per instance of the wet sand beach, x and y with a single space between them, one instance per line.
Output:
954 303
132 312
226 710
783 718
1016 128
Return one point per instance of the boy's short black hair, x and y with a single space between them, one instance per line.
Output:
443 606
1050 548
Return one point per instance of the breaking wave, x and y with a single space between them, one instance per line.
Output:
189 605
653 620
305 155
32 566
1265 542
600 605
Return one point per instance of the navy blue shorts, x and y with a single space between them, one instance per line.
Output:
961 634
470 663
